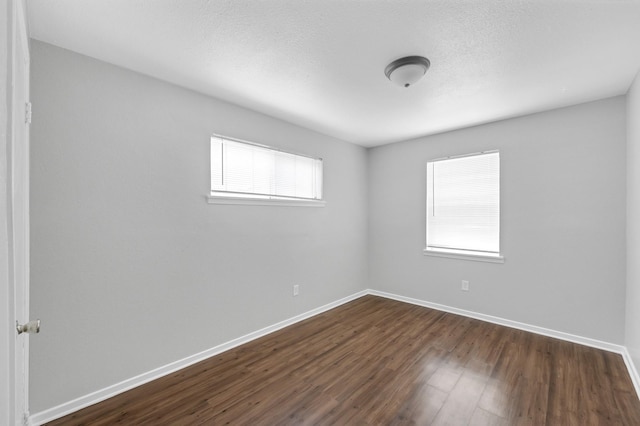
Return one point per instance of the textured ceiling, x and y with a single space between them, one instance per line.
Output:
320 64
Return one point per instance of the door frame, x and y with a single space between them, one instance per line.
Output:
18 203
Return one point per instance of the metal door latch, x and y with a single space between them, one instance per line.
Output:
30 327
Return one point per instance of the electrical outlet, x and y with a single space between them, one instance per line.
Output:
296 290
465 285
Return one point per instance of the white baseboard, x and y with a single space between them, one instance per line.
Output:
118 388
110 391
633 371
586 341
508 323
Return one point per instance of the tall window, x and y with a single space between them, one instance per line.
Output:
463 205
245 170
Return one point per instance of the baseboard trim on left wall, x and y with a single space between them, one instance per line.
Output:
118 388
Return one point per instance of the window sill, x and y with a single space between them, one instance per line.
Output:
264 201
463 256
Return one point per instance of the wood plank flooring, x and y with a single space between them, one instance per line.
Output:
380 362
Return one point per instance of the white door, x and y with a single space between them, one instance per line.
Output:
19 230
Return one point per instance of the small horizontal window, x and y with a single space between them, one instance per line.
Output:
245 171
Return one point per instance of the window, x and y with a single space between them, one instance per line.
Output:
247 173
463 206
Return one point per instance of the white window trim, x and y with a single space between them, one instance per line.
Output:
467 254
458 254
293 202
222 197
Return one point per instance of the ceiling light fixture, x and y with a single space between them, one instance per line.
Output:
407 71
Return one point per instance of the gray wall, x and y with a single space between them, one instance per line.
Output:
563 221
632 334
131 268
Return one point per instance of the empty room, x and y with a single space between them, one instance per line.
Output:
320 212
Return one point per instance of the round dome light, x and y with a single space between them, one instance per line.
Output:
407 71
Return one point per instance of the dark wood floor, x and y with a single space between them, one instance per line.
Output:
381 362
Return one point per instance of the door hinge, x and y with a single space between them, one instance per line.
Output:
27 113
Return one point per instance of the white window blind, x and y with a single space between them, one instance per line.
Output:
463 204
245 170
